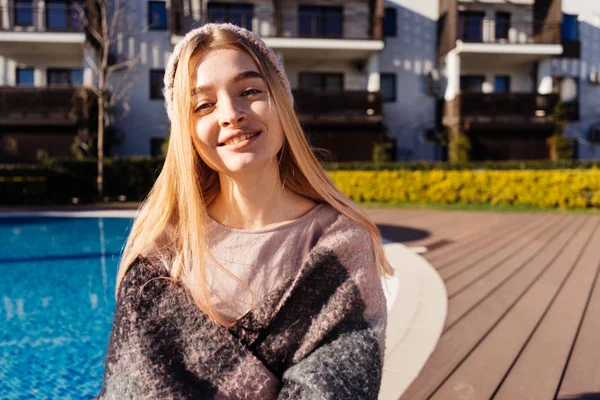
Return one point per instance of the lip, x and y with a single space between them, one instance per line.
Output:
243 144
237 133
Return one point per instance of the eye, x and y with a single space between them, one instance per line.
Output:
250 92
203 107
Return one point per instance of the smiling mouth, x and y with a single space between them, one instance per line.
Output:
239 139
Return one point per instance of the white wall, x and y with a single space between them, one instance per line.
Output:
589 93
411 55
148 117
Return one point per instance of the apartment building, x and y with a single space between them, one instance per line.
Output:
578 70
330 51
493 70
410 78
41 68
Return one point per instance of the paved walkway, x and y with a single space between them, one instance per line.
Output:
523 303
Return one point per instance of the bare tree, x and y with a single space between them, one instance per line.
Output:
105 22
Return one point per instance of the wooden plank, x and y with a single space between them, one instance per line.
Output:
484 261
461 303
545 355
497 250
481 373
582 374
487 232
409 232
458 341
400 217
453 229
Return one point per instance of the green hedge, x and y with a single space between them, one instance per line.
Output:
58 181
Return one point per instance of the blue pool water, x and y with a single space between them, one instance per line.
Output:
57 283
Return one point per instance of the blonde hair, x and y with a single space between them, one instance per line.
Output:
169 226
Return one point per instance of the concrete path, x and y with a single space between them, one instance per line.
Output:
417 305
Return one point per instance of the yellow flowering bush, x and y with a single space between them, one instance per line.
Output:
567 188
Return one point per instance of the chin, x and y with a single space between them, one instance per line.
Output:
248 163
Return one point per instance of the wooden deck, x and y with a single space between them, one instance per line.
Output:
523 316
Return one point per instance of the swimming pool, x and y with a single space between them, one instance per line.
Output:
57 301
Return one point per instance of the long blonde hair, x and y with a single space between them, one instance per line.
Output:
170 221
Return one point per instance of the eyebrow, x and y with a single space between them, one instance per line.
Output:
239 77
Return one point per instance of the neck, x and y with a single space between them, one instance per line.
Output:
251 201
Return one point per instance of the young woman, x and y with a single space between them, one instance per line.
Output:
247 274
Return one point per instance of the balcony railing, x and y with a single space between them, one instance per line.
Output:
332 23
338 106
37 105
501 108
497 30
48 18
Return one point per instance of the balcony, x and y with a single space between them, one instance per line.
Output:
504 31
37 106
338 107
517 42
495 110
50 23
296 30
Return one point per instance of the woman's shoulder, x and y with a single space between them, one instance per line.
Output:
343 232
143 276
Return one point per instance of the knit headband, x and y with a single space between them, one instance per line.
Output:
252 38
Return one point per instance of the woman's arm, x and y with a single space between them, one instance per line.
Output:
339 354
348 366
163 347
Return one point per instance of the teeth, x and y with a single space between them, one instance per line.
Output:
239 139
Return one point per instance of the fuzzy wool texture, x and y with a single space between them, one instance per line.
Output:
320 335
251 37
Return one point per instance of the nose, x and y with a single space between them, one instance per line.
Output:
231 113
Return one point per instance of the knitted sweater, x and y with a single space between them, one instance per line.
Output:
320 335
261 259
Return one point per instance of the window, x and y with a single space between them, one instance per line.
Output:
61 15
470 25
237 14
502 25
157 84
389 22
570 28
502 84
64 77
77 76
25 77
388 87
157 15
471 83
58 77
23 13
320 21
323 81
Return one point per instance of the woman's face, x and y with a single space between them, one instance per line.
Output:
238 130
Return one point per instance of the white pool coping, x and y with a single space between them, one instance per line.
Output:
417 307
72 214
